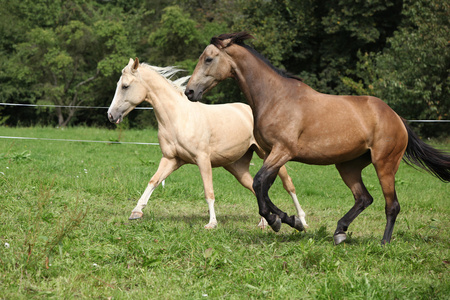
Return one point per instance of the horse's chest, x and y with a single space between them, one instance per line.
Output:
268 133
262 141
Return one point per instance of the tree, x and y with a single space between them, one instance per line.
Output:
319 40
179 40
60 61
412 73
71 52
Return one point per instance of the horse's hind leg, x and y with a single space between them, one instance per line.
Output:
351 174
165 168
386 175
240 170
386 158
204 165
290 188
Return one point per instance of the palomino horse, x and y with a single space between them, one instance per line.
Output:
294 122
192 133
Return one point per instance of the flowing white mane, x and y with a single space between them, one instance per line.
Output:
167 73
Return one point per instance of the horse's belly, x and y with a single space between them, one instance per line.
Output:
231 135
328 153
223 155
222 150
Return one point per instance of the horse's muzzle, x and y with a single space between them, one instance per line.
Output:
190 93
113 119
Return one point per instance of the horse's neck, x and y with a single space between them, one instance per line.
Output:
166 100
168 103
257 81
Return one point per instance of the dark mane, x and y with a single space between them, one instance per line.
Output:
235 38
238 39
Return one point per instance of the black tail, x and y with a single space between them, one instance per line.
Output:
426 157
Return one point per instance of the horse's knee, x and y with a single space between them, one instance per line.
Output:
367 200
393 209
264 212
256 183
363 200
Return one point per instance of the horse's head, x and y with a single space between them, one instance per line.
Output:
214 65
130 92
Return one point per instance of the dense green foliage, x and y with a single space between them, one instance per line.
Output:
64 231
71 52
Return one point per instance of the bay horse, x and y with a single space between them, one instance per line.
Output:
293 122
192 133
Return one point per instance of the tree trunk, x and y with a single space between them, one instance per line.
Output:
63 122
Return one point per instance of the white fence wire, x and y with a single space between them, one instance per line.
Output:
62 106
116 142
70 140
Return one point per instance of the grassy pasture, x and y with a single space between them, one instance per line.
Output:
65 233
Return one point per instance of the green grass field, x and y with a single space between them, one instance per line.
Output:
65 233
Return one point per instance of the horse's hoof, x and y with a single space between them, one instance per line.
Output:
263 223
276 226
298 224
136 215
211 226
339 238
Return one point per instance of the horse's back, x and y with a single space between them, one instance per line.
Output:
229 116
334 129
369 114
233 110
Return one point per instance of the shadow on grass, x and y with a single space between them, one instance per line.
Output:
192 219
244 228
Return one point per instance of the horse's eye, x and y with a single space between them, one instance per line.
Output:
124 87
208 59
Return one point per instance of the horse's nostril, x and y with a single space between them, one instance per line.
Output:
111 118
189 93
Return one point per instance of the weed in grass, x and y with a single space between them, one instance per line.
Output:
46 230
17 157
43 231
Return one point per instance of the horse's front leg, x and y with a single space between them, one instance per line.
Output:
204 165
262 183
165 168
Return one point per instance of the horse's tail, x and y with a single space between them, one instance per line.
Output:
426 157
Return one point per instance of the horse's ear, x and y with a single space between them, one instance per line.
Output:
226 43
135 64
